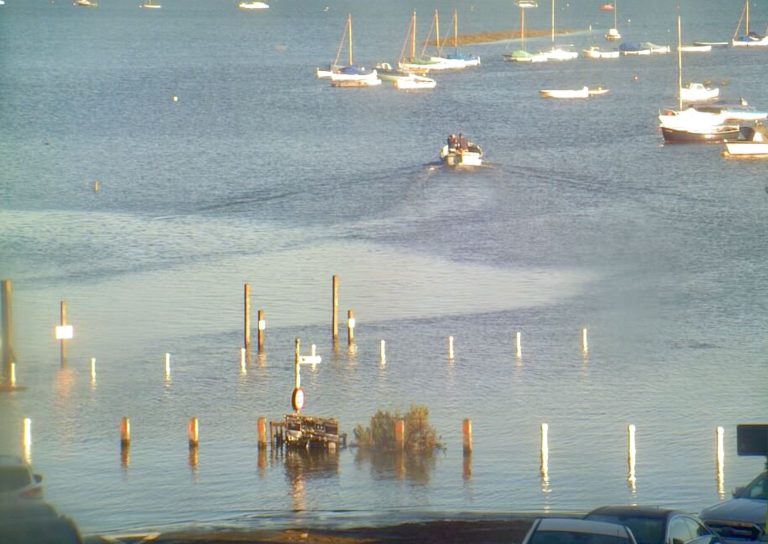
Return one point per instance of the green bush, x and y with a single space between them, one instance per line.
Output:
420 436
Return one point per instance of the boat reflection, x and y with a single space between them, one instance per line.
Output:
415 467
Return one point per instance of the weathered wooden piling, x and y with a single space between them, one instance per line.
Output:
400 434
262 327
93 370
7 330
631 454
584 341
247 316
383 353
261 427
335 308
243 359
125 432
720 460
544 450
26 440
167 366
350 327
466 431
12 378
518 345
193 433
64 333
450 348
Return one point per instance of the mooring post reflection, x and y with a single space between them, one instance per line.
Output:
305 464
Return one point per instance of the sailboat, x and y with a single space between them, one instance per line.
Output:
749 39
248 5
411 62
469 60
521 55
86 3
440 62
691 125
407 76
150 4
558 53
351 75
613 33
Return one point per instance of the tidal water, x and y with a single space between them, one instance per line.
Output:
261 173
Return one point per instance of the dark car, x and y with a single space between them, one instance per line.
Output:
577 531
36 523
652 525
744 516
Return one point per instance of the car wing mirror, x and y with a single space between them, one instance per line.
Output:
738 491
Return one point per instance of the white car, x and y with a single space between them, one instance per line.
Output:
577 531
18 482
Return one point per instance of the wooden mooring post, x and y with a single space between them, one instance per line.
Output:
262 327
466 431
7 330
335 308
247 316
350 327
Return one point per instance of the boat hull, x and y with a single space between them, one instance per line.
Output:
747 150
468 157
565 93
714 135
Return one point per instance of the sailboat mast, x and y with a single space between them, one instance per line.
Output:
455 30
413 36
679 66
437 32
522 28
553 22
615 14
349 23
746 20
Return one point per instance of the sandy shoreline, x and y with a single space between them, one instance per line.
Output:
430 532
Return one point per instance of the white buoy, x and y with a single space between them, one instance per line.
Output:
518 345
93 370
167 366
175 98
584 341
383 353
450 347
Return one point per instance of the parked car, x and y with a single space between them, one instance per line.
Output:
651 525
36 522
744 517
577 531
17 480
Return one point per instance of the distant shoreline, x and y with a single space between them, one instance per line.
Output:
504 35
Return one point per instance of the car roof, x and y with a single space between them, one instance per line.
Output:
636 511
11 460
582 526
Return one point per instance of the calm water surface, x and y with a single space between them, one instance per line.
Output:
260 173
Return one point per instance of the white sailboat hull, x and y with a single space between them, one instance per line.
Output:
414 82
565 93
370 79
597 53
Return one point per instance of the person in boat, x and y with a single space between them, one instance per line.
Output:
463 145
452 141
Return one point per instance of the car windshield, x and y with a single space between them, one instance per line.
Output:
757 488
572 537
645 530
12 478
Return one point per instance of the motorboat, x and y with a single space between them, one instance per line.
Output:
252 5
565 93
595 52
355 76
560 53
86 3
414 82
606 7
698 92
631 48
459 151
522 56
613 35
700 48
729 113
752 142
655 49
150 4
